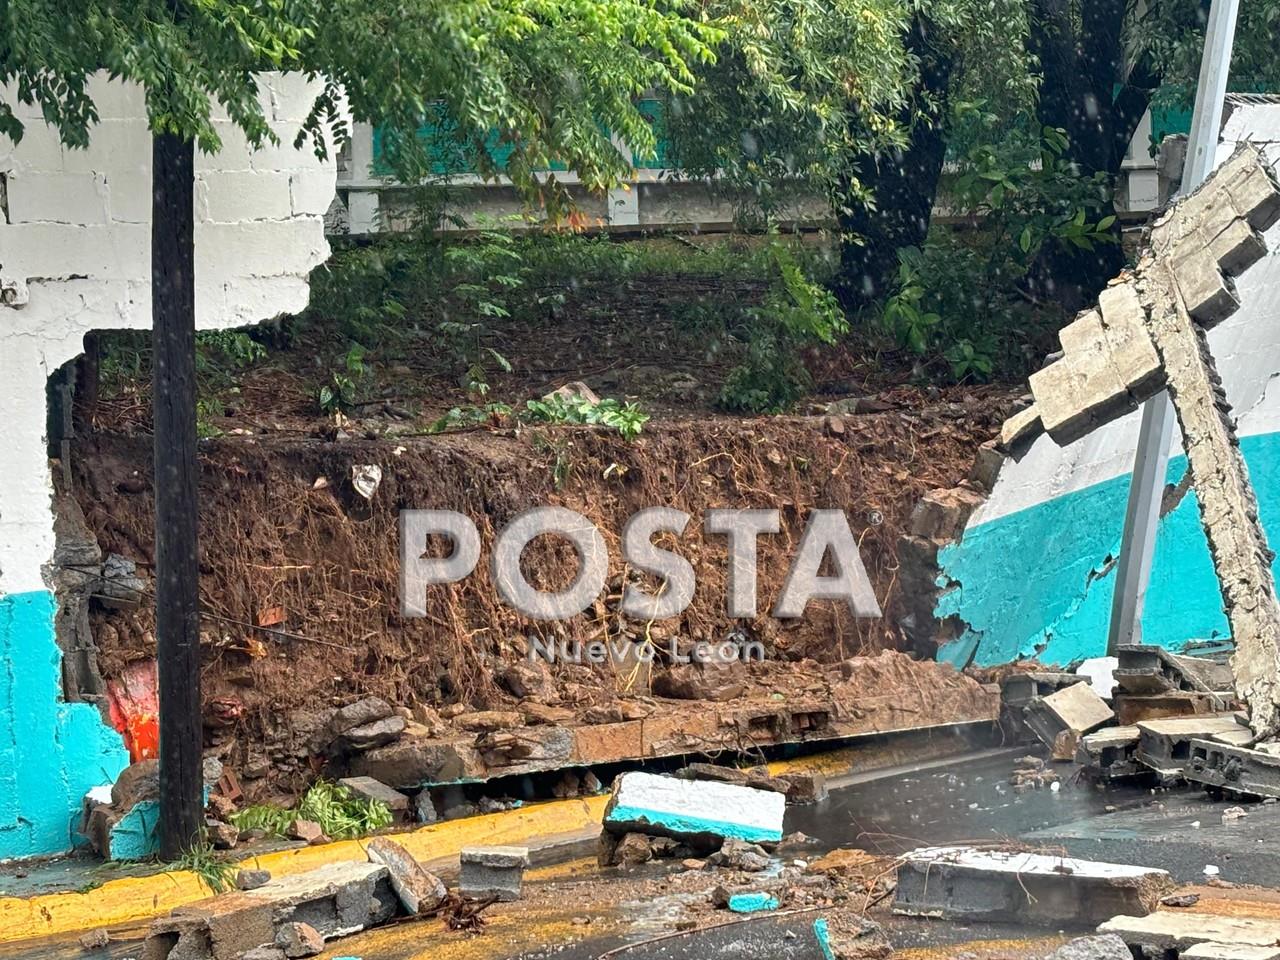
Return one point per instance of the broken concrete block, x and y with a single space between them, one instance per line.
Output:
1147 669
1134 356
1222 765
1229 951
1023 425
1110 753
972 884
1106 947
805 787
1205 293
1165 745
942 514
424 808
1019 689
1177 931
298 940
1078 393
1237 247
371 789
419 890
1133 709
700 811
492 871
1075 708
335 899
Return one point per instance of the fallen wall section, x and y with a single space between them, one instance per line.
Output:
1032 573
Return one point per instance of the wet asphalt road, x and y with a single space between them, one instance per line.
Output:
967 800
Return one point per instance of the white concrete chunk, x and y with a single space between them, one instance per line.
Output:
1167 930
668 806
1230 951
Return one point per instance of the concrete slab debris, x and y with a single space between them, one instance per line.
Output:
492 872
1019 689
1147 669
336 899
1165 745
1223 766
1230 951
1110 753
1106 947
1005 886
419 890
1179 931
699 811
1133 708
371 789
1076 709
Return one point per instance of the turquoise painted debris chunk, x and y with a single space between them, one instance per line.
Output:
754 903
689 809
823 936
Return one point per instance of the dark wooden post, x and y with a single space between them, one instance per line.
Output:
173 404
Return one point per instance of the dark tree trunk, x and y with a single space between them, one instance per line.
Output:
173 400
903 182
1081 70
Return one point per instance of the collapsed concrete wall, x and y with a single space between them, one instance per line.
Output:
1033 573
75 257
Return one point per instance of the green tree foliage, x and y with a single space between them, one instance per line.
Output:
551 76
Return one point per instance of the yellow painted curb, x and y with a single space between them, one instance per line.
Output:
131 900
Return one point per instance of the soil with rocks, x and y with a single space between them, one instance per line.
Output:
300 569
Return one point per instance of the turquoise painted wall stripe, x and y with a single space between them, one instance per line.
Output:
680 823
51 752
1038 583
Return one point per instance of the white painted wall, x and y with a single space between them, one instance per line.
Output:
76 246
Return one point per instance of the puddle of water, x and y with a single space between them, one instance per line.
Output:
969 801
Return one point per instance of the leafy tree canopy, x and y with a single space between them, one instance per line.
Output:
553 77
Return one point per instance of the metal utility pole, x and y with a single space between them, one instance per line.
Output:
177 565
1142 516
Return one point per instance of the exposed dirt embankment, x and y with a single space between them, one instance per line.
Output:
287 541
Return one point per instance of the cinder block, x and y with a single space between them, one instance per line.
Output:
1237 248
1076 709
1079 392
966 883
66 198
1082 334
242 195
1255 195
1111 753
1132 353
1207 297
492 871
1234 767
1165 745
334 899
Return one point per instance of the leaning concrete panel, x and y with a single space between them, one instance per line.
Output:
1037 559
